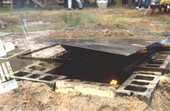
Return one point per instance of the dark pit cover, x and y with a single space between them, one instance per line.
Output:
124 47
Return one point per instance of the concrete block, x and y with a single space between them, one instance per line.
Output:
141 85
157 61
85 88
16 63
8 85
5 71
147 72
38 77
43 67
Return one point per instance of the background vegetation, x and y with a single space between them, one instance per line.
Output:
91 22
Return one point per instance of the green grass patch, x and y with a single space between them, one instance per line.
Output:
118 21
5 9
13 28
165 34
78 18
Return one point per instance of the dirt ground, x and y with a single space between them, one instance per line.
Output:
31 96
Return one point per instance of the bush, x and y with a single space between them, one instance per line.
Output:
77 19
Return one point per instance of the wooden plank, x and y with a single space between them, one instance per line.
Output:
12 4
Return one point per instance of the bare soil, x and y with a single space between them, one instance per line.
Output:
31 96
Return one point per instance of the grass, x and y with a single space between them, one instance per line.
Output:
165 34
72 19
116 21
78 18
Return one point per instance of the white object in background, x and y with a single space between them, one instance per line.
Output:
166 41
9 46
7 86
2 50
102 1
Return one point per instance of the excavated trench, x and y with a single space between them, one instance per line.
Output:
80 69
95 66
89 71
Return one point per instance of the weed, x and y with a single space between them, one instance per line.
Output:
77 19
165 34
72 19
116 21
5 9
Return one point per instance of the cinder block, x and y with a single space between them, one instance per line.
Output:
38 77
166 63
85 88
147 72
15 61
5 71
157 61
43 67
8 85
141 85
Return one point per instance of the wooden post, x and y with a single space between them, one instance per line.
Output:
12 4
119 2
46 3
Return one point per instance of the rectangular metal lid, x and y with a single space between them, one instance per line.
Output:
123 47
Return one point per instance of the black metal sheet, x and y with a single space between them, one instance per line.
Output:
123 47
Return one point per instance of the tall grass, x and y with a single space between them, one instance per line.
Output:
78 18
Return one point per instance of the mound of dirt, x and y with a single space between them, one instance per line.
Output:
31 96
40 97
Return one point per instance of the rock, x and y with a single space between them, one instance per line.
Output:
165 82
41 96
105 31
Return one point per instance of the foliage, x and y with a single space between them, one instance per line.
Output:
94 22
165 34
78 18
